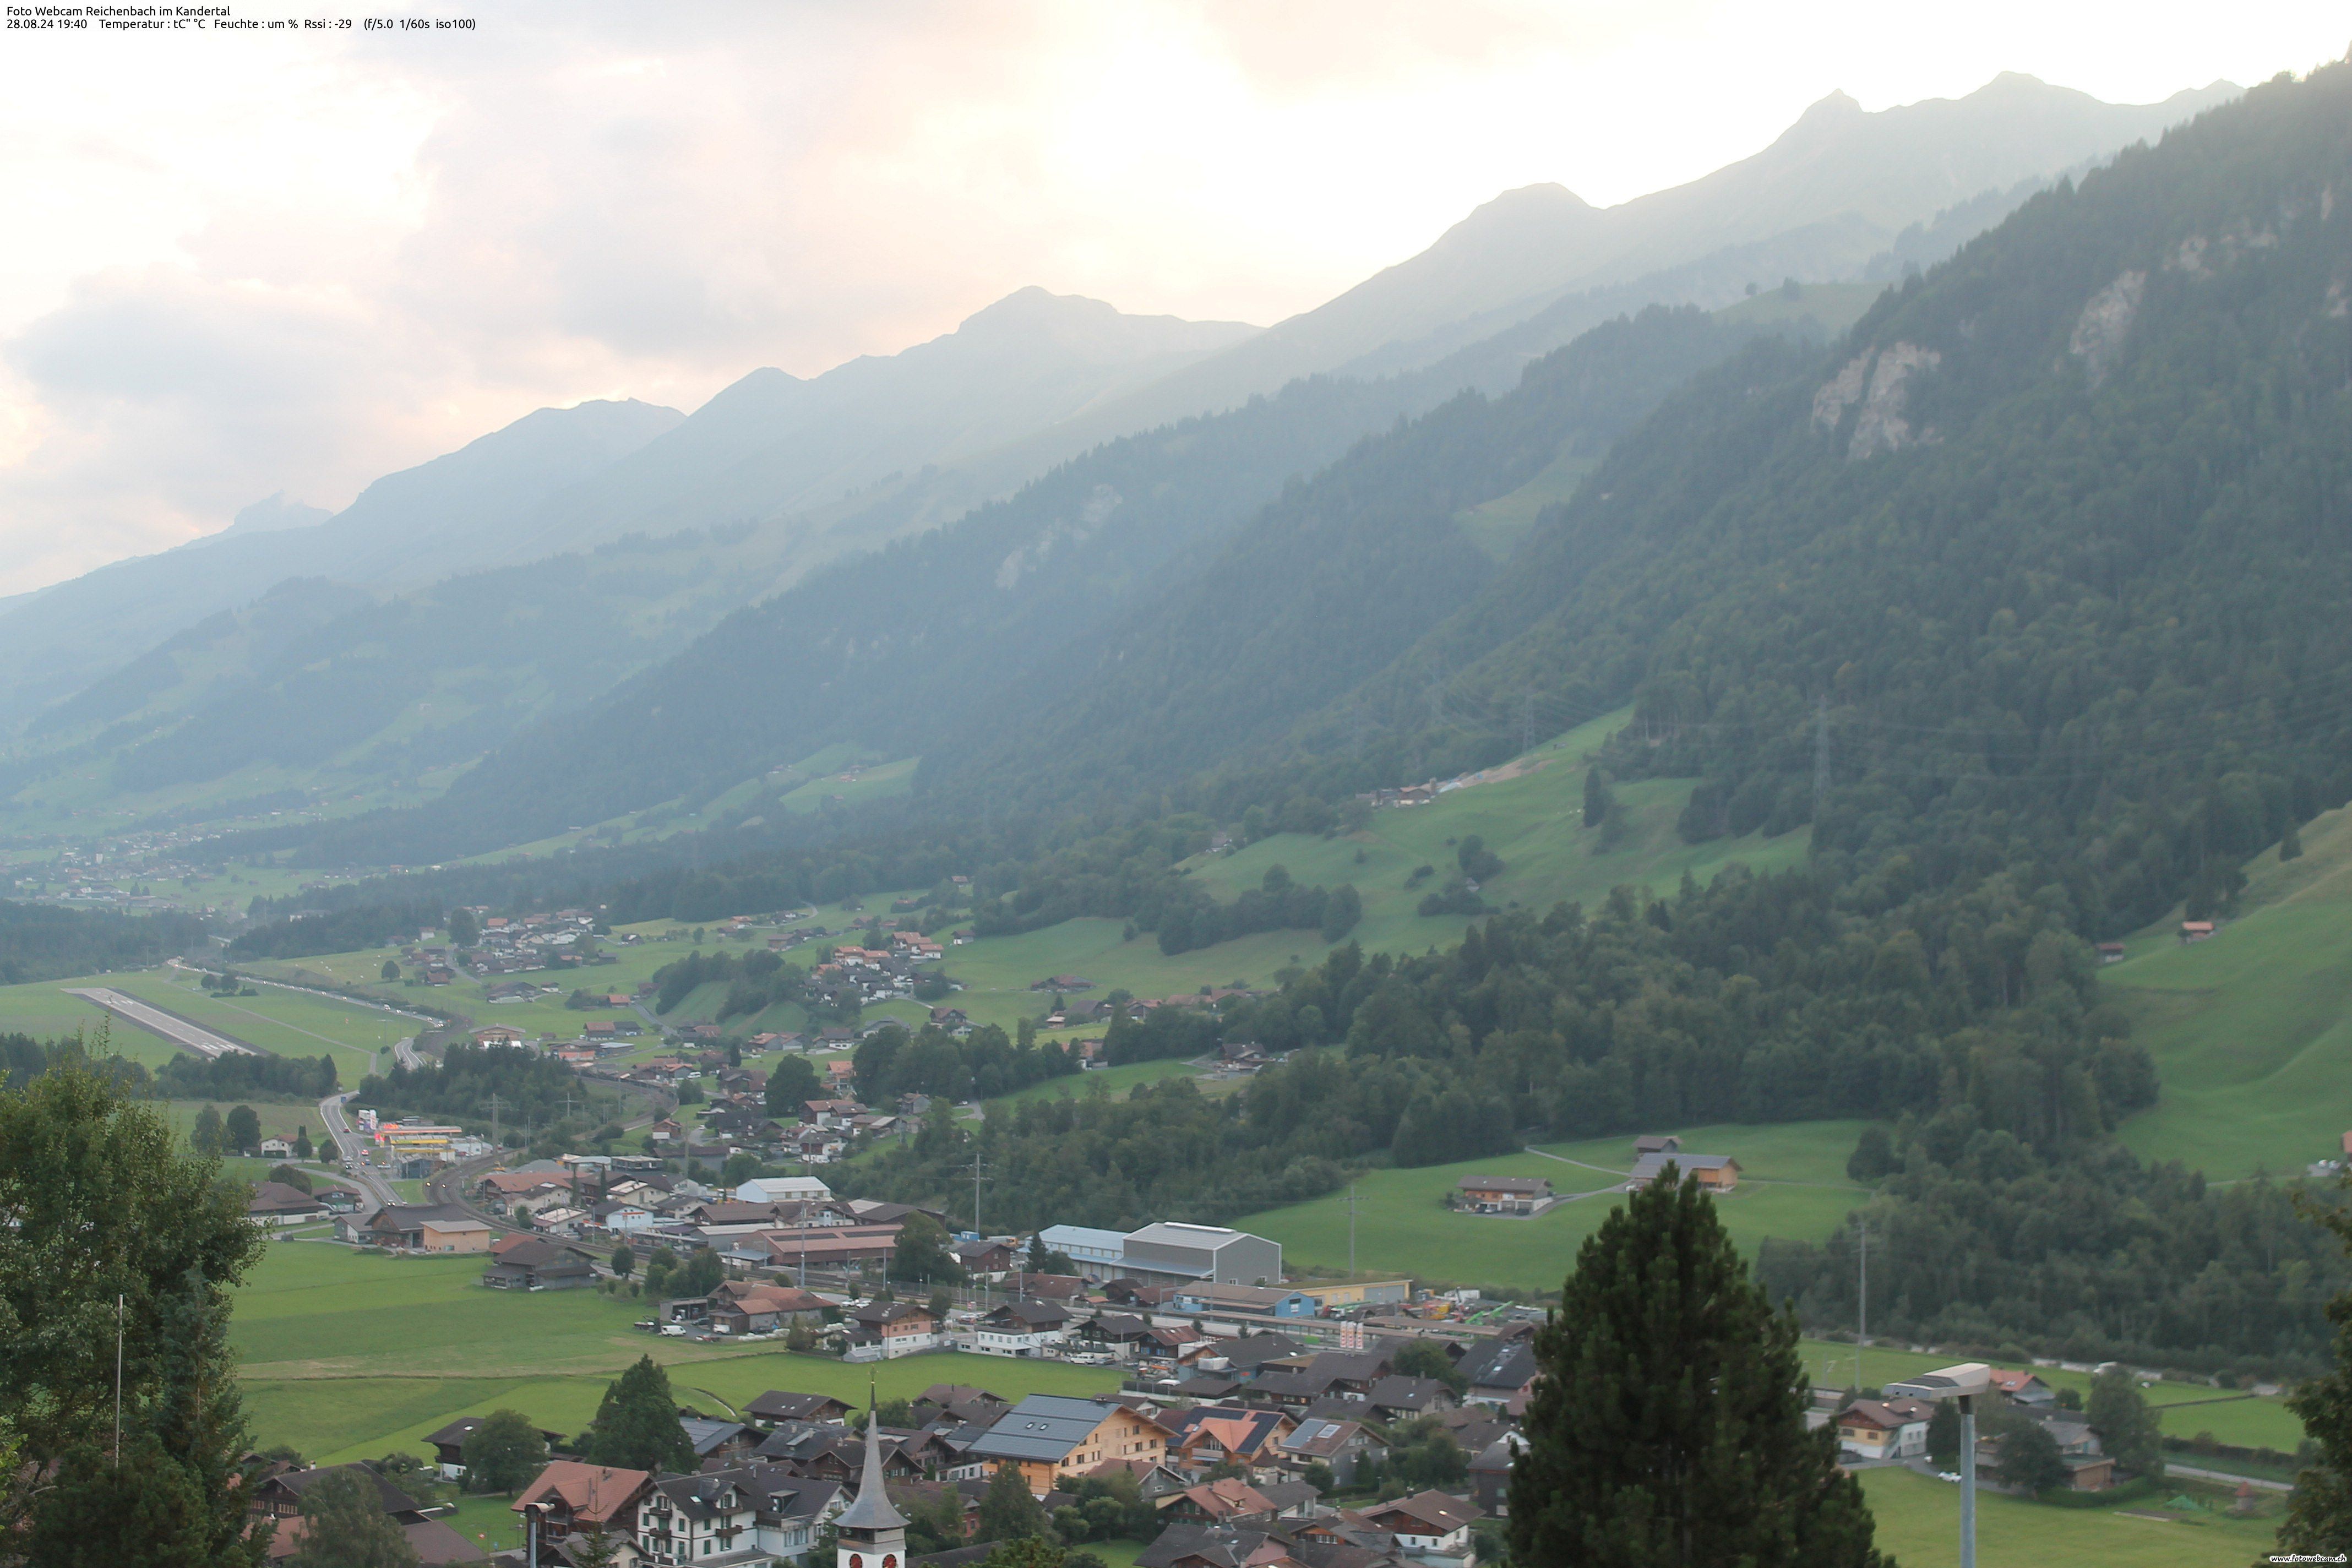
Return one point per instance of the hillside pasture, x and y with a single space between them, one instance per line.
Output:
2251 1029
1792 1184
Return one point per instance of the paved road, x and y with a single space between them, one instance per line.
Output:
404 1051
353 1149
179 1031
2260 1485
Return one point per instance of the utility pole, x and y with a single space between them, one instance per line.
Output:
1861 1305
1528 722
118 1382
1821 753
1351 1230
494 1142
975 1190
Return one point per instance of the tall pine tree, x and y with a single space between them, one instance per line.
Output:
1667 1429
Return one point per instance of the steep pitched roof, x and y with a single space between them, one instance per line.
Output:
871 1509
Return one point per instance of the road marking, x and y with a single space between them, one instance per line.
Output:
177 1030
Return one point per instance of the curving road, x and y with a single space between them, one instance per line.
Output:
404 1051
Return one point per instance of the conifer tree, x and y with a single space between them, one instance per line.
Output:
636 1424
1667 1430
2319 1514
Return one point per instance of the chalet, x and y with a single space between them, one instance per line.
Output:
1656 1143
2024 1388
740 1308
1716 1173
1499 1370
1207 1436
275 1203
1893 1428
2195 930
448 1444
1021 1328
777 1406
435 1227
500 1035
1504 1195
898 1328
1049 1438
278 1497
1122 1334
2111 953
1490 1472
1428 1524
687 1519
988 1255
277 1149
1394 1398
715 1439
534 1264
1230 1500
1336 1443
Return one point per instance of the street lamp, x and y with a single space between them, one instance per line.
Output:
1962 1383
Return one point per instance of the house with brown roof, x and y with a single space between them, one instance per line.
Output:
1428 1524
278 1500
1207 1436
1893 1428
572 1497
275 1203
1230 1500
1332 1441
1714 1173
741 1307
898 1328
1504 1195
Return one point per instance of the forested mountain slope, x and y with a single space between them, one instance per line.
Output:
1027 630
2050 551
1335 578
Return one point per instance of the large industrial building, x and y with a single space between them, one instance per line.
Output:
1169 1254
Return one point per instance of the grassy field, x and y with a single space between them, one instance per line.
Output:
2184 1409
1534 821
332 1344
1116 1081
1793 1183
2252 1030
1919 1525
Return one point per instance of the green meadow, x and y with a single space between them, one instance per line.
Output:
346 1356
1918 1520
1534 821
2183 1409
1792 1184
2251 1029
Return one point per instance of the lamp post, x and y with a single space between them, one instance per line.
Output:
1961 1383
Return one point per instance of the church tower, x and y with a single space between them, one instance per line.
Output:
870 1533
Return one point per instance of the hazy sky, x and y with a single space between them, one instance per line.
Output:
239 263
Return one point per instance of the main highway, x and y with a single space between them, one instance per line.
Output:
354 1150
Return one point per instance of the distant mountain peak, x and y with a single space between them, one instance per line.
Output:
274 513
1839 105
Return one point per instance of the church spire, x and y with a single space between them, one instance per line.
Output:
870 1524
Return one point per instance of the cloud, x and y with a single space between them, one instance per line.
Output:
259 269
